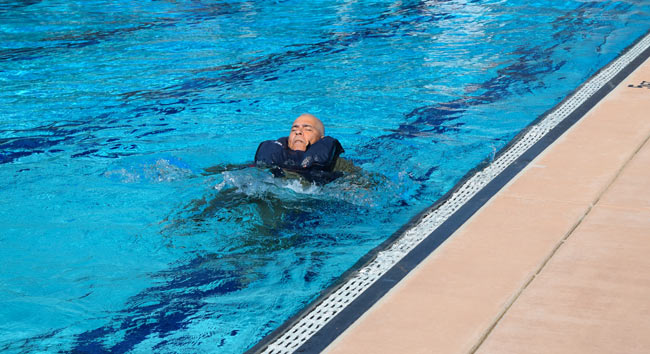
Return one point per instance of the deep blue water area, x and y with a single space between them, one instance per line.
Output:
124 226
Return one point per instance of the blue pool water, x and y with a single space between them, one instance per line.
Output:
114 236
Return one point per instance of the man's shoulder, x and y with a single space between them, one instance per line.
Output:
344 165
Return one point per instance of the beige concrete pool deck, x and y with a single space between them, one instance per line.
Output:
558 261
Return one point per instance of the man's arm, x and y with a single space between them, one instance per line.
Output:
225 167
346 166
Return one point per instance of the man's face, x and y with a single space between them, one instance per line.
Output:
304 132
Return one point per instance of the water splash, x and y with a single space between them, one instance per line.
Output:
357 189
161 170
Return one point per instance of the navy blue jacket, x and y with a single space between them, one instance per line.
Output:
319 158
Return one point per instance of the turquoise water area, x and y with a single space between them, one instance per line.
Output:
115 237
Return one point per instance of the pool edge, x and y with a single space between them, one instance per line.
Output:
367 298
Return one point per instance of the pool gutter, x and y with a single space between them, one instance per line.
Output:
314 328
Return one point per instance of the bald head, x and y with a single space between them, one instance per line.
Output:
306 130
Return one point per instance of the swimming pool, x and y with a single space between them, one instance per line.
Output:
116 239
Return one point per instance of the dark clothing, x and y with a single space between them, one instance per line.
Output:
326 164
317 164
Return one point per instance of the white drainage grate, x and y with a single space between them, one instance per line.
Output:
303 329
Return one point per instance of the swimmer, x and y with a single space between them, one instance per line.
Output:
306 153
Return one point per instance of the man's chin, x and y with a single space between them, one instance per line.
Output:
299 146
